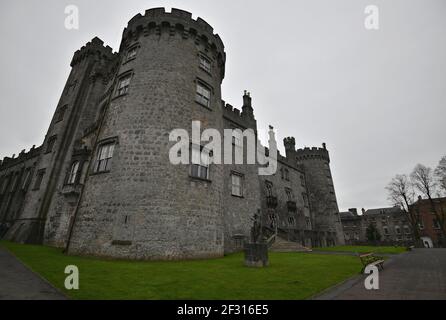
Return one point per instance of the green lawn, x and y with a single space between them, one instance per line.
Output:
364 249
290 275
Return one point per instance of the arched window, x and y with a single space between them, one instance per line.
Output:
72 177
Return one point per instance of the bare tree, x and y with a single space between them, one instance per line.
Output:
440 173
424 180
401 194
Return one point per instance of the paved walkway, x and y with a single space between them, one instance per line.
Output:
17 282
416 275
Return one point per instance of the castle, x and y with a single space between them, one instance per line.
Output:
101 183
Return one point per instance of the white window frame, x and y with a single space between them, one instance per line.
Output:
132 52
203 94
237 189
123 85
205 63
200 171
74 169
103 157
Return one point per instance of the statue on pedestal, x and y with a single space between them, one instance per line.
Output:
256 229
256 252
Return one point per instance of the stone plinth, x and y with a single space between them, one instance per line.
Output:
256 255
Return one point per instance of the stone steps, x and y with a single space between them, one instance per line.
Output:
282 245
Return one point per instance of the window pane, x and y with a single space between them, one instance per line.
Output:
102 165
111 148
203 172
205 64
203 94
73 173
132 53
194 170
101 152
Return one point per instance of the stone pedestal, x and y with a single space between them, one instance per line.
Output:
256 255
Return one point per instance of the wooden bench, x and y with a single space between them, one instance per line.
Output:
371 259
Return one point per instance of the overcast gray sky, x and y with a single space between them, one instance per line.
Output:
377 98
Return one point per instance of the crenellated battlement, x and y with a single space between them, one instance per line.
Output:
313 153
238 117
94 47
157 21
23 156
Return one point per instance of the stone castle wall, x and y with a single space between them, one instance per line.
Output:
142 206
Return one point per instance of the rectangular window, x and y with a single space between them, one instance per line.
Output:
291 221
123 85
397 230
50 144
203 95
73 175
131 53
237 185
386 230
289 194
205 63
39 178
26 179
103 160
200 163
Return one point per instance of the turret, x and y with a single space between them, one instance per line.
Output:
93 48
290 147
177 23
247 111
170 75
316 163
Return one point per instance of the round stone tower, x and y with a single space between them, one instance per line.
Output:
322 196
137 204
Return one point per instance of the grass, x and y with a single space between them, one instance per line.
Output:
290 276
365 249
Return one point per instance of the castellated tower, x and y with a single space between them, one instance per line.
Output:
102 183
76 109
144 207
321 192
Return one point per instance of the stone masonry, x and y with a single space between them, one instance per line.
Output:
102 184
